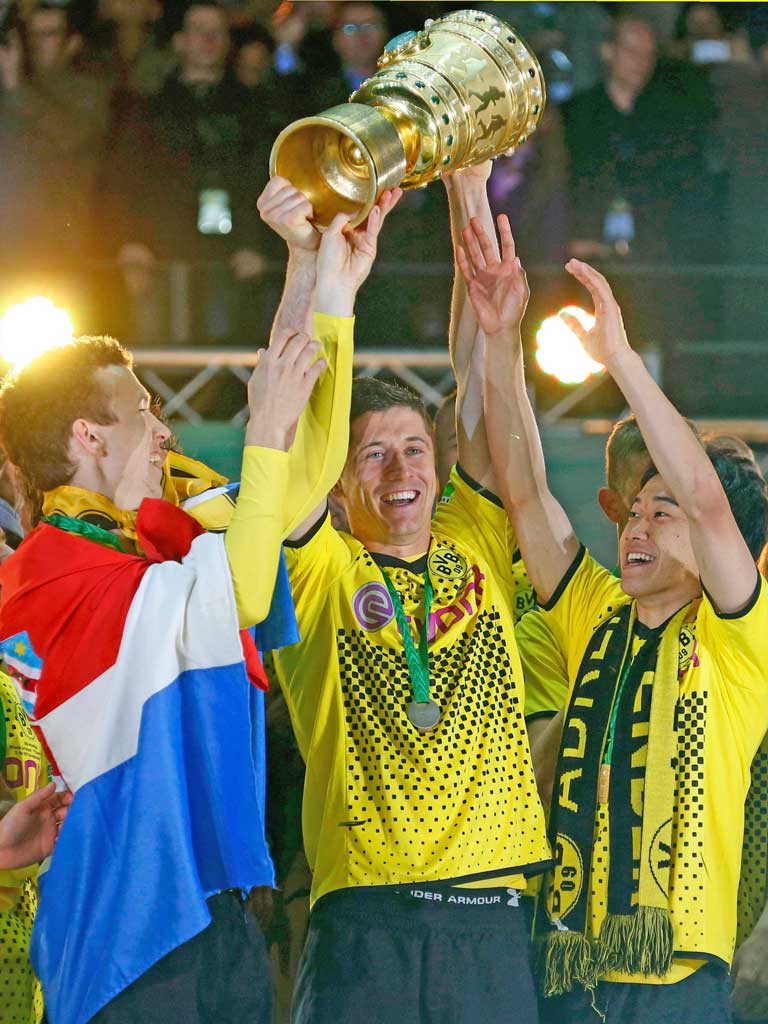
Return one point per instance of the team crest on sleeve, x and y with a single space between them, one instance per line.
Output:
373 606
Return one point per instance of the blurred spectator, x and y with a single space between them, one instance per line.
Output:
637 144
564 36
254 50
182 187
706 36
302 33
531 187
53 126
641 188
126 49
358 39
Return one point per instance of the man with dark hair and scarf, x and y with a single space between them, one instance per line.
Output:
666 668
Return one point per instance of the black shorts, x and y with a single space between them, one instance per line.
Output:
702 998
220 975
421 955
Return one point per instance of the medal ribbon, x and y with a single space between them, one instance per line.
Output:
418 660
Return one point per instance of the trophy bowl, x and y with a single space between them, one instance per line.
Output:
464 89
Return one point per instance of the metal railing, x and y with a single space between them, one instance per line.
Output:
408 365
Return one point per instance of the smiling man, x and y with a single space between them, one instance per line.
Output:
421 818
668 701
127 627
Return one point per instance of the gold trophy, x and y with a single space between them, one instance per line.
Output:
464 89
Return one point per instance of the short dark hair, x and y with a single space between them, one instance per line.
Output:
744 486
371 394
39 404
244 35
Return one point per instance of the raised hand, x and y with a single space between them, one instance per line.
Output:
497 287
29 830
607 338
280 387
346 254
289 213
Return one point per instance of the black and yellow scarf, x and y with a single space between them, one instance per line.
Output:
183 478
636 935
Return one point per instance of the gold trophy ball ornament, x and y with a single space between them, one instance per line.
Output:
462 90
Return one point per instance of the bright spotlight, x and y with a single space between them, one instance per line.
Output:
31 328
560 353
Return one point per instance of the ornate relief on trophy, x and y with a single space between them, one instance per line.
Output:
464 89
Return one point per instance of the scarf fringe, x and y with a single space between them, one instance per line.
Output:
568 960
638 943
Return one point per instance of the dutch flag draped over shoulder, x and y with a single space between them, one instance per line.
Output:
138 684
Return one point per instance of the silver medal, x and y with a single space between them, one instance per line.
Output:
424 715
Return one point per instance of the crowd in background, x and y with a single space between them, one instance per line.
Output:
135 136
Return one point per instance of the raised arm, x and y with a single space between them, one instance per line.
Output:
289 213
468 198
317 456
278 392
726 567
498 291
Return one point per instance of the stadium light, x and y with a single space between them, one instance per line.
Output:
31 328
560 353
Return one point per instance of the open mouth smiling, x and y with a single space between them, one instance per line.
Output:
399 499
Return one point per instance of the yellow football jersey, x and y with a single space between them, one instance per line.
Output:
385 804
720 720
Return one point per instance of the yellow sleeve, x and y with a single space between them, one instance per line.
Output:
545 670
314 564
738 644
256 531
584 597
319 451
472 515
278 490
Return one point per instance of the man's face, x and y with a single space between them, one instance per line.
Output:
134 444
253 62
361 35
632 55
50 45
388 483
656 557
204 41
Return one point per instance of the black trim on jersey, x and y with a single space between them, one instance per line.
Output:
747 607
482 491
383 561
570 572
307 537
535 715
710 958
527 870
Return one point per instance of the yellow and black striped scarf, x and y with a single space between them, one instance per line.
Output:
636 935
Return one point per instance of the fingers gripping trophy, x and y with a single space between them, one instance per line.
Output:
462 90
